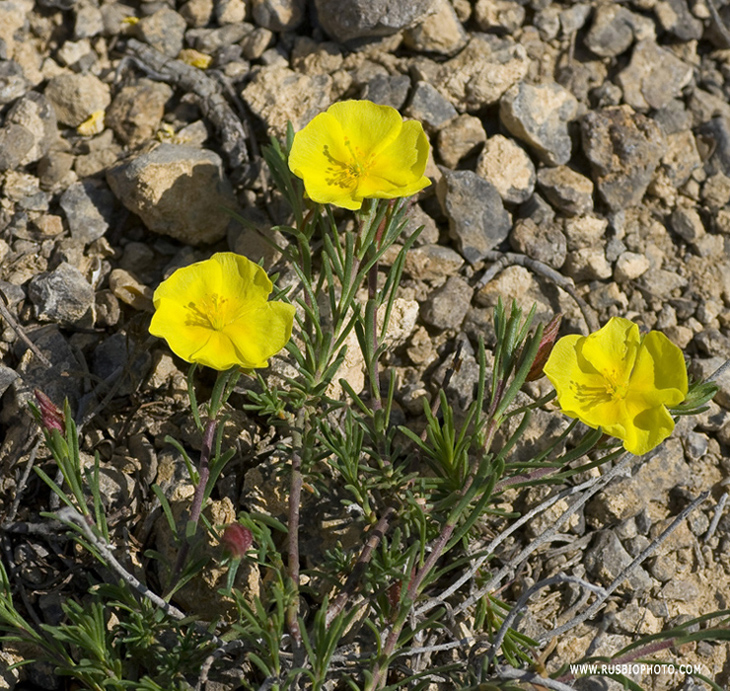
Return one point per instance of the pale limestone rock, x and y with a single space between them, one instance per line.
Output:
508 167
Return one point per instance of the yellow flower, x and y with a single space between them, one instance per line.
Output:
216 313
356 150
621 382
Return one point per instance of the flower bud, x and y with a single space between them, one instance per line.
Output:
51 416
236 540
549 336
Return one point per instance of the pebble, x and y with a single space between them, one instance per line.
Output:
447 306
567 189
654 77
432 262
429 107
606 558
279 95
440 32
369 18
387 90
539 116
612 31
127 288
460 137
63 296
629 266
75 97
136 112
508 167
587 264
675 17
115 357
164 30
624 149
481 73
499 15
12 82
716 191
88 208
176 190
478 221
33 120
546 244
278 15
686 222
681 158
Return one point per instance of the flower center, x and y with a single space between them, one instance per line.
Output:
346 174
612 389
213 312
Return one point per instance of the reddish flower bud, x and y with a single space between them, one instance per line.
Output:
51 416
236 540
549 336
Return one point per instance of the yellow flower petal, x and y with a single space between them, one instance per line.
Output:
358 150
216 313
612 349
660 370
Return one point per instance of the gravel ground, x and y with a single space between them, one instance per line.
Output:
580 160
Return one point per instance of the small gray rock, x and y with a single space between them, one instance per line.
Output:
545 243
7 377
136 112
15 144
35 113
606 558
13 83
654 77
178 191
278 15
63 295
587 264
567 189
446 307
675 17
210 41
624 149
612 30
75 97
430 107
164 31
686 222
478 221
117 355
88 208
539 116
460 137
717 132
713 342
367 18
390 90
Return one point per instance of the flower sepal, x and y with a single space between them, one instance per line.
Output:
699 395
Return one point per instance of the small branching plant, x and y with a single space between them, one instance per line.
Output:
417 593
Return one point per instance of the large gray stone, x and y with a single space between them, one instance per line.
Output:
344 21
178 191
478 221
63 295
624 149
